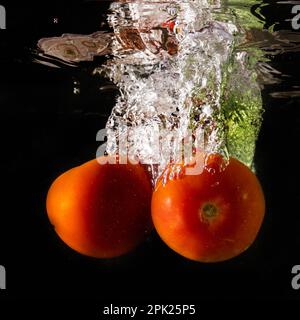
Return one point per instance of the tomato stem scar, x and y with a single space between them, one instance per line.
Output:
209 211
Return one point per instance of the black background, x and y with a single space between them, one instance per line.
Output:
45 129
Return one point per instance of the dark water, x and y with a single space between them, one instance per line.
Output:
47 129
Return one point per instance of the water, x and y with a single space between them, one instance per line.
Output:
47 128
186 71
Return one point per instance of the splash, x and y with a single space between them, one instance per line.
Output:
187 74
179 71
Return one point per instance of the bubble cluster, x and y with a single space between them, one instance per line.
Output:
177 69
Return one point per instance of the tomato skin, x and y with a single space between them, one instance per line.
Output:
101 211
230 228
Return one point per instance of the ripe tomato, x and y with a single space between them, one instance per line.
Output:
212 216
101 211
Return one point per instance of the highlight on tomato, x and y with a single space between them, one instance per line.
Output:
212 216
101 211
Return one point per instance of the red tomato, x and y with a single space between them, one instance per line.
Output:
212 216
101 211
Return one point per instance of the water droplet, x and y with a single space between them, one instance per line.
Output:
216 184
211 170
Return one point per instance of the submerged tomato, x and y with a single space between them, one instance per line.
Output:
101 211
212 216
